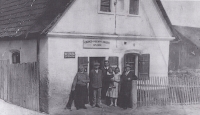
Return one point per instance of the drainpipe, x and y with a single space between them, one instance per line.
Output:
38 66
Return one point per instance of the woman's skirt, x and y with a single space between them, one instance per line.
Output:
81 96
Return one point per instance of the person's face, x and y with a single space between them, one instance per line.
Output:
110 70
117 70
127 69
96 67
106 64
81 69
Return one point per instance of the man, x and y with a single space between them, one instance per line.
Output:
126 87
106 80
96 84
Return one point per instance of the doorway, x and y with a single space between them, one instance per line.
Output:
93 60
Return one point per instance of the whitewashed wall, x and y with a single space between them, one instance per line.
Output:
83 17
27 48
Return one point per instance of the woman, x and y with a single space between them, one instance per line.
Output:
113 91
79 86
126 87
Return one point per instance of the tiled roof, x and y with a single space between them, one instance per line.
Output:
21 17
190 33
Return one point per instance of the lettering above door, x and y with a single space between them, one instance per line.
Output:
96 44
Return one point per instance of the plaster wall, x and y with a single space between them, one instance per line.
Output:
27 48
84 17
43 69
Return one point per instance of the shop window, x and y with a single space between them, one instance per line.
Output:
83 61
144 66
15 57
113 61
134 7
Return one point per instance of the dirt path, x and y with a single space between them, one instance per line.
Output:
155 110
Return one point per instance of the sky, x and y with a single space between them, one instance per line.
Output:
183 12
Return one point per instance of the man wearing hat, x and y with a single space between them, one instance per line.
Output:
96 84
126 87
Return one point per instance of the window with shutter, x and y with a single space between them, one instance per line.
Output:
83 61
134 7
113 61
144 66
105 6
130 59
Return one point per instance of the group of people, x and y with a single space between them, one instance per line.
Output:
105 83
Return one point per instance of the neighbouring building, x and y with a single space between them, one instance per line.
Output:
184 52
60 35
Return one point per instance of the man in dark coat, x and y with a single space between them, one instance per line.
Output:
96 84
126 87
106 80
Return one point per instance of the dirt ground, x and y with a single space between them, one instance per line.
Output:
154 110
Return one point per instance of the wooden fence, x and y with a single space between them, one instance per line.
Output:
19 84
168 90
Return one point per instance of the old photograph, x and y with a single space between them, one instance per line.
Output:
99 57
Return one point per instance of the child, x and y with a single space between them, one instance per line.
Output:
113 91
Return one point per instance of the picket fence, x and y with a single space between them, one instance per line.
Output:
168 91
19 84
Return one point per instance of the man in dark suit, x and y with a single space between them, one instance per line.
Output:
96 84
126 87
106 80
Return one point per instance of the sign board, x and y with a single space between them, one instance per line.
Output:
96 44
69 54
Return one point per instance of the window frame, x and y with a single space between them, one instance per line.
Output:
11 56
138 9
126 12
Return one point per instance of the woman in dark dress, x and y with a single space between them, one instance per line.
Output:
79 86
126 87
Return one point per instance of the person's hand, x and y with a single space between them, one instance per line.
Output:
73 89
129 78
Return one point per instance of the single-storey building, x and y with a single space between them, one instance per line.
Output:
62 34
184 52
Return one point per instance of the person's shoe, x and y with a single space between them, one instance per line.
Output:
68 108
84 107
125 108
77 108
111 104
115 105
98 106
93 106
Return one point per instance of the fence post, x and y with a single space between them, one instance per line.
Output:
134 94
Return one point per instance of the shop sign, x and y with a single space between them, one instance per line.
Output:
96 44
69 54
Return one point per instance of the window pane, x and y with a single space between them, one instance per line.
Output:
83 61
113 61
134 7
130 59
105 5
15 57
